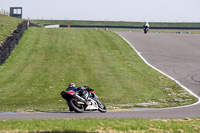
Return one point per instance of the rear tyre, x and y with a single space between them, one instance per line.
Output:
75 106
70 108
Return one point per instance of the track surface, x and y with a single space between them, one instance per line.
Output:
177 55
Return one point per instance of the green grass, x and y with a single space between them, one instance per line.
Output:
102 125
46 60
7 25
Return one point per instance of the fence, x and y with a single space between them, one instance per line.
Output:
4 12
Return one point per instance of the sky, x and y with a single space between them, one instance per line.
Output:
109 10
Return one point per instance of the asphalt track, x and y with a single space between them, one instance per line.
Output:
175 55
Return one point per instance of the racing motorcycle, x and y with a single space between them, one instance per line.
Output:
78 104
146 28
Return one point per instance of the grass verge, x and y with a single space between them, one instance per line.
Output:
102 125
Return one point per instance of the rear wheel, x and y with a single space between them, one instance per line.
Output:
70 108
75 106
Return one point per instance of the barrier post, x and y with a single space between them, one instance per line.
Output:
28 24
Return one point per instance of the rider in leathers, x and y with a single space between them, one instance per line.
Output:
82 90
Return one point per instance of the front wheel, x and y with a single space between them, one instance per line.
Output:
145 31
75 106
101 107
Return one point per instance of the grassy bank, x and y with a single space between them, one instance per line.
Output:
102 125
7 25
46 60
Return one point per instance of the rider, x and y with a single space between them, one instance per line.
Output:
146 25
82 90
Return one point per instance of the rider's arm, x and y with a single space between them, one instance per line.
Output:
80 88
88 89
85 88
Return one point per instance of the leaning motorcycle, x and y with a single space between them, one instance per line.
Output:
78 104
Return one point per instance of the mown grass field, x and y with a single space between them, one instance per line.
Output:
46 60
103 125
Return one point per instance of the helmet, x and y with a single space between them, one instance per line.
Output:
71 85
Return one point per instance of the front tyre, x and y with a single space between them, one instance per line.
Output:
101 107
75 106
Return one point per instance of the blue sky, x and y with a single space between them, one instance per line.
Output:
110 10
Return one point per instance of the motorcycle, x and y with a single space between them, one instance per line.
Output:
78 104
